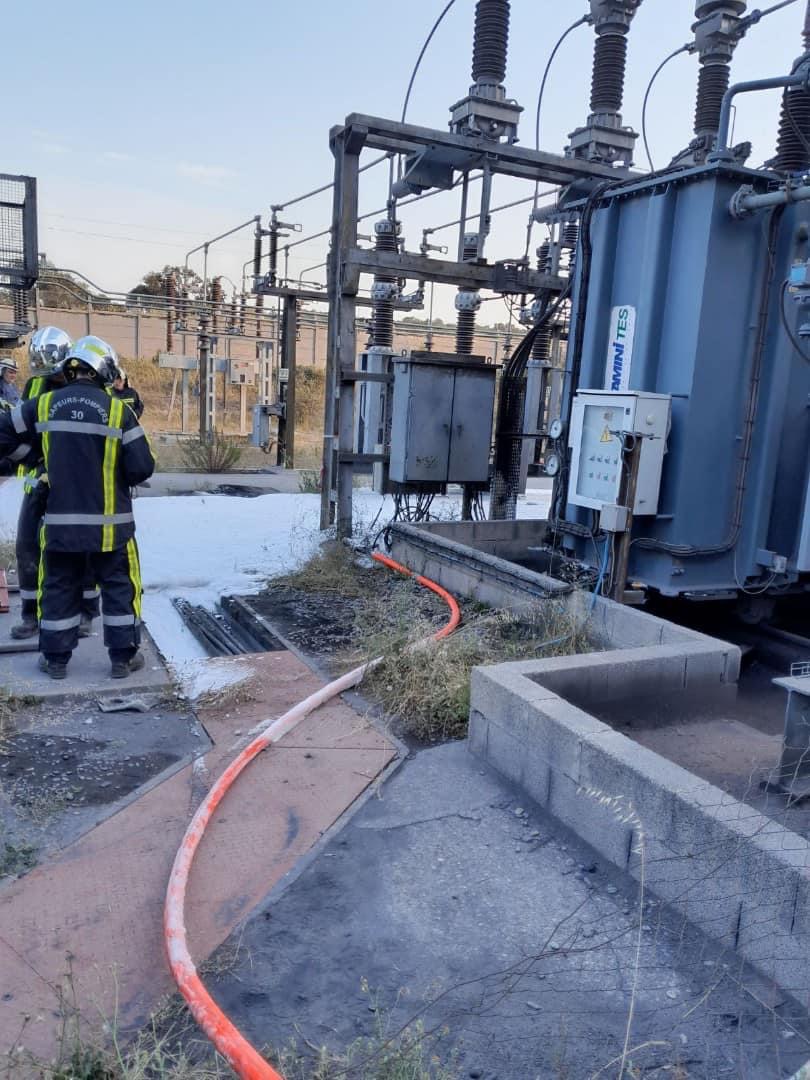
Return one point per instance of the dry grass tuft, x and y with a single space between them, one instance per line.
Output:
424 689
411 1053
219 454
334 568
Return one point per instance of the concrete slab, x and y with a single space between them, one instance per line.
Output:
101 898
463 905
88 673
67 766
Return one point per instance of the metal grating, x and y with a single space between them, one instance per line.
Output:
801 669
18 239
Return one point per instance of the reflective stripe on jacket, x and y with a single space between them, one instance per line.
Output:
35 386
94 451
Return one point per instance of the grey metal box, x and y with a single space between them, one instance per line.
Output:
441 419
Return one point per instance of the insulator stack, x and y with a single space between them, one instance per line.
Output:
216 302
541 347
171 312
259 310
232 315
793 144
465 332
467 300
491 41
20 303
544 258
242 312
712 84
607 81
570 241
386 235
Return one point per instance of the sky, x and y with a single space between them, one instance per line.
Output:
153 127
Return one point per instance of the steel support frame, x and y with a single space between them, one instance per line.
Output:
285 452
346 262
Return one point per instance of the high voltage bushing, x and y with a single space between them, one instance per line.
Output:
793 143
607 80
603 137
717 32
384 289
713 82
611 20
490 41
486 112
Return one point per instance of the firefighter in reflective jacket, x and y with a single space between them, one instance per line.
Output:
121 389
94 451
46 351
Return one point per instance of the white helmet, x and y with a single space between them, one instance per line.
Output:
47 348
91 352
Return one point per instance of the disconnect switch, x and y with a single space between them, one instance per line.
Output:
613 518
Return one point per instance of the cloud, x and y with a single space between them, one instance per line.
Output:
115 155
52 148
205 174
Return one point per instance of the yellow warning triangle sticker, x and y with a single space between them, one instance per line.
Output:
606 436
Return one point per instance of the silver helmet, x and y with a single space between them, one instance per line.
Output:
91 352
47 348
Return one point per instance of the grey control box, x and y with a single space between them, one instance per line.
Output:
441 422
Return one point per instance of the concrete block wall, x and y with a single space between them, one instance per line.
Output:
741 877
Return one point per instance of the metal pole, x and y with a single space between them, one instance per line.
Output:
203 352
465 189
287 450
184 380
628 500
722 153
336 489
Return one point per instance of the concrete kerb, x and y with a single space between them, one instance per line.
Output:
741 877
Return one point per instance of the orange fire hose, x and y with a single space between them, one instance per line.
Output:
243 1058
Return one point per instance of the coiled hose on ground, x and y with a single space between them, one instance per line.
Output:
243 1058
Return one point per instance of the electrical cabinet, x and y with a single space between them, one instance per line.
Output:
242 372
441 419
599 421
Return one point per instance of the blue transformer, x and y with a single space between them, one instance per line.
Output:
706 288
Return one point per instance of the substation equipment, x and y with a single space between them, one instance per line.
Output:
19 259
664 379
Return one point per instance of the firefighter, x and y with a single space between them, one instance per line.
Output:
94 450
46 350
121 389
9 391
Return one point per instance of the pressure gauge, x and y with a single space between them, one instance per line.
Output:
552 464
555 428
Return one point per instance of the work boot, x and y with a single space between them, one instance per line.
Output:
54 668
119 669
25 629
85 626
